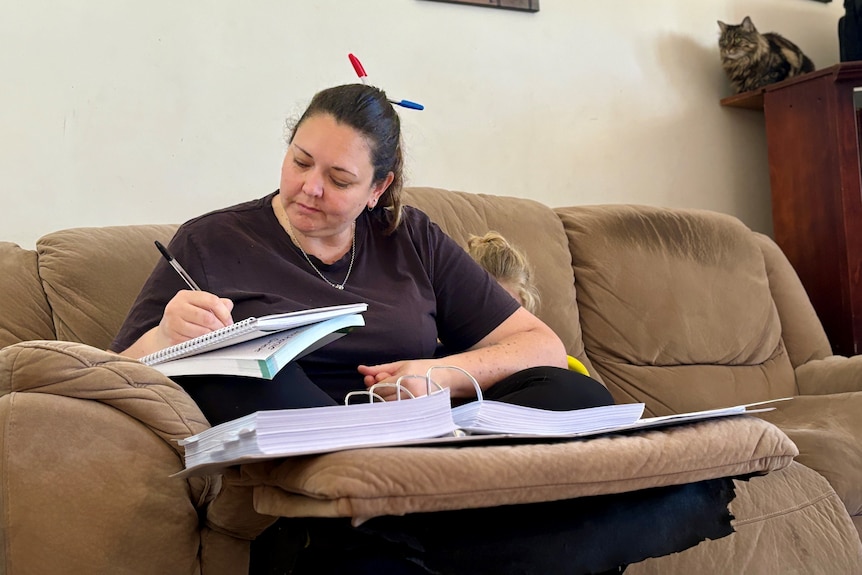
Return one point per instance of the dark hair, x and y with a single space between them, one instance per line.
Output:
367 110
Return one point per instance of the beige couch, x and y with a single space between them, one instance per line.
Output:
680 309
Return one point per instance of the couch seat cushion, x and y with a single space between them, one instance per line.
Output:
826 429
789 521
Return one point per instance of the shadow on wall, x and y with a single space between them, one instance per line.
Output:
715 136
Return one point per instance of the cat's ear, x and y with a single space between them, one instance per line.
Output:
748 25
723 26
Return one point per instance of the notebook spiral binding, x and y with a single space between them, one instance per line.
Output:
200 342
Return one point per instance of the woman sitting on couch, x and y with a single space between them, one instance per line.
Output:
336 233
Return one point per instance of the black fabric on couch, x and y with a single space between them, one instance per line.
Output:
587 535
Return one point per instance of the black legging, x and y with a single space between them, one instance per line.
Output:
223 398
552 388
587 535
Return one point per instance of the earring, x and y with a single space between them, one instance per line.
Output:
372 206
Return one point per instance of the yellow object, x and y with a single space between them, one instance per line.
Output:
575 365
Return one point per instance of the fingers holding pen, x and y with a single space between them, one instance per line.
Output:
190 313
194 313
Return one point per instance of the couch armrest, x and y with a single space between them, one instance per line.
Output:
87 450
834 374
84 372
80 371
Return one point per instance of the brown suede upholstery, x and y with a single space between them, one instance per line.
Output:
765 509
26 314
88 444
393 481
90 307
680 309
676 308
708 315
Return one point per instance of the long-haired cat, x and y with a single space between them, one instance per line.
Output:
752 59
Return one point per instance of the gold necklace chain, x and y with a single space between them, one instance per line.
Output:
314 267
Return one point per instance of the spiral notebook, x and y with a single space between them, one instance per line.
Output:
265 356
251 328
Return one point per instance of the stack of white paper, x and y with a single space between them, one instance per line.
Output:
427 420
487 416
286 432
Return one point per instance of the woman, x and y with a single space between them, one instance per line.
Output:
335 233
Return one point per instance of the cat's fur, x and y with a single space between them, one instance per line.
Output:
752 60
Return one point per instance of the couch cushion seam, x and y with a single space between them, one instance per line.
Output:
781 512
42 283
7 520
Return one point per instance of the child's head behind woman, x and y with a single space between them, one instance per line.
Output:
508 265
512 271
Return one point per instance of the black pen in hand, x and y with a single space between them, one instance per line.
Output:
176 265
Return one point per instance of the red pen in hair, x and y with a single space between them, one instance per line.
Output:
357 66
363 77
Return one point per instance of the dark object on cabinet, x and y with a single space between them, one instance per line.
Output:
813 145
850 31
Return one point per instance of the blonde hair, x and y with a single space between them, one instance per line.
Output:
507 264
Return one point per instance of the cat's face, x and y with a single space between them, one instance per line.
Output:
738 40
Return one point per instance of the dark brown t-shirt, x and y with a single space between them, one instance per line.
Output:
418 283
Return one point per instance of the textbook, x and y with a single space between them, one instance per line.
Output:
261 357
426 420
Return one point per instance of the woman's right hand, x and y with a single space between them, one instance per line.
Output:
189 314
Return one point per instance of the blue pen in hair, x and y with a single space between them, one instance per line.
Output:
363 77
408 104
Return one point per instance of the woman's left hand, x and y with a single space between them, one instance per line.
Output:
521 341
417 385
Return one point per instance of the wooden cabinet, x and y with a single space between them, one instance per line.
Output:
813 145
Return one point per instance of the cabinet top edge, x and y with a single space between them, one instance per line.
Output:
753 100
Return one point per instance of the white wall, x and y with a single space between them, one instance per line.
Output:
115 112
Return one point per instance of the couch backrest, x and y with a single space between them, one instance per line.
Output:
801 329
676 307
91 276
681 309
24 311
